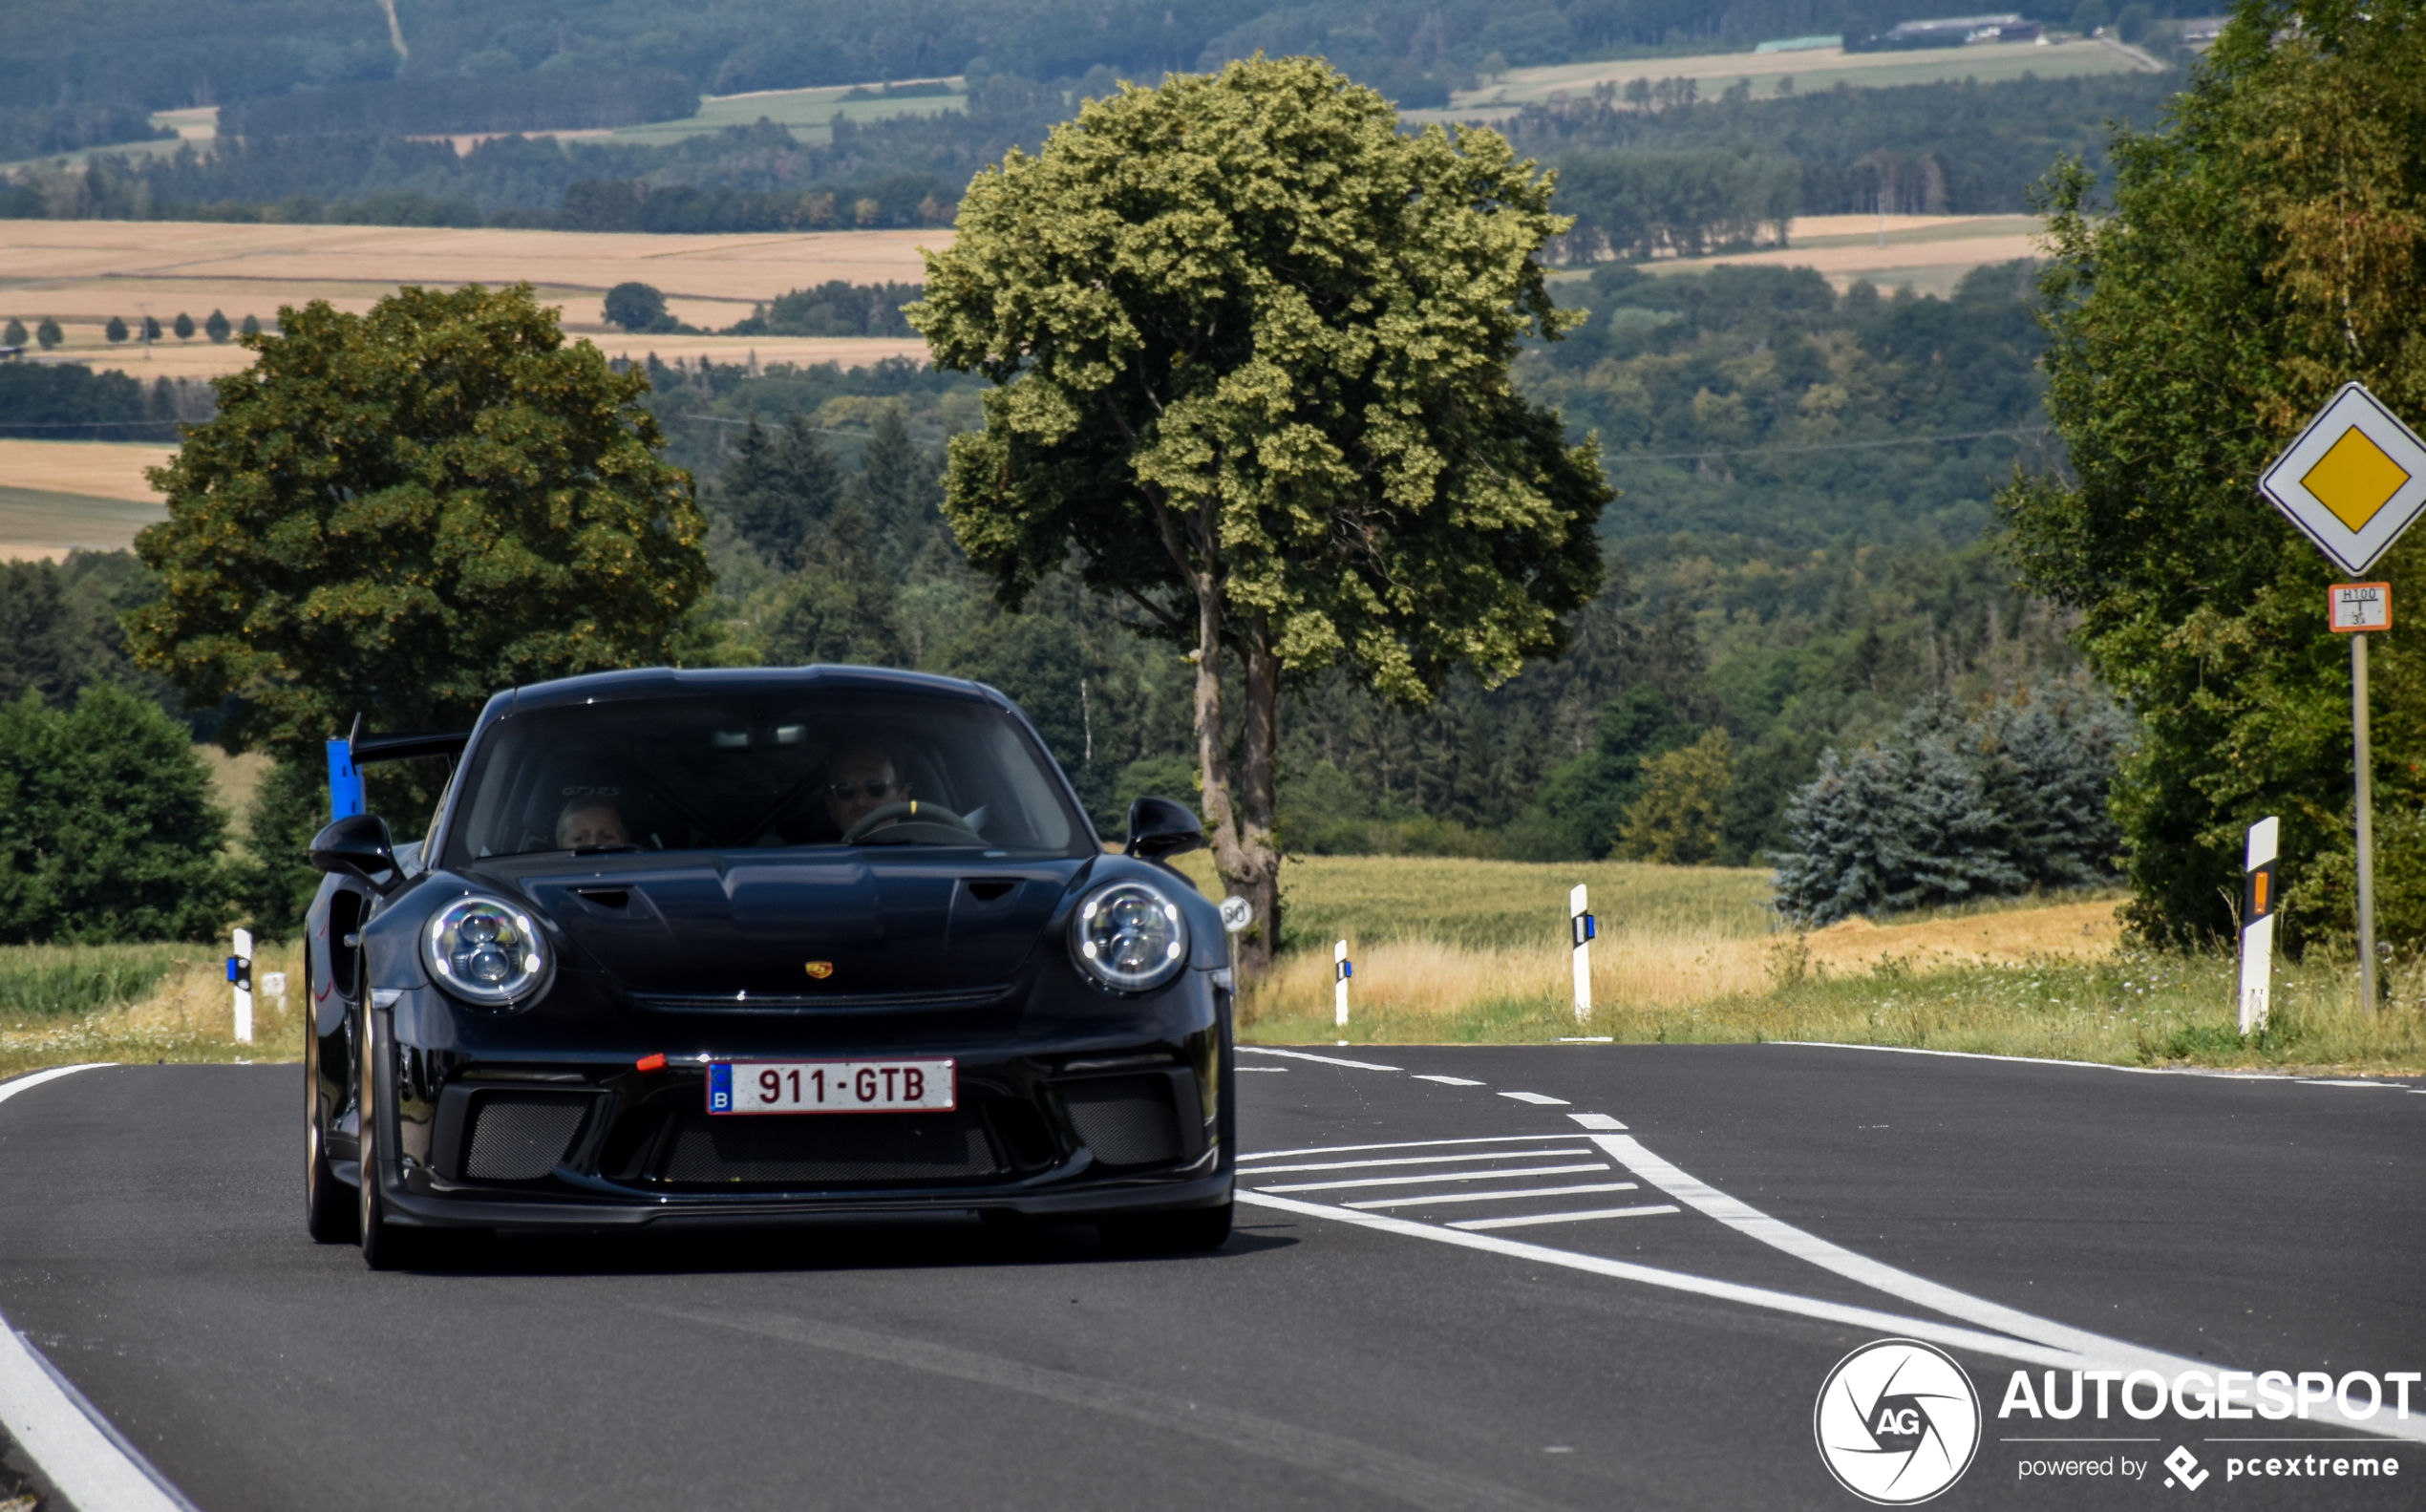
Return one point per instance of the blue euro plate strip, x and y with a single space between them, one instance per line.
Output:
345 783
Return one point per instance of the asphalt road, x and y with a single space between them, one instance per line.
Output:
1329 1356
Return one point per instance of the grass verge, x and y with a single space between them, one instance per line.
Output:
60 1006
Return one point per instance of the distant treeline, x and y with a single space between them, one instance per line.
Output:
40 130
206 52
1956 148
834 309
66 402
1649 204
1644 182
561 100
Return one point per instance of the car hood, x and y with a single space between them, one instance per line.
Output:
752 931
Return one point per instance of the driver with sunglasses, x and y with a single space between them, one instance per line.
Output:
859 782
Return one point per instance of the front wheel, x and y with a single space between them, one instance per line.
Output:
1190 1232
329 1208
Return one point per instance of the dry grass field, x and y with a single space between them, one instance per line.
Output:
82 272
61 495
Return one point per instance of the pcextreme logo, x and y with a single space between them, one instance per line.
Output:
1897 1423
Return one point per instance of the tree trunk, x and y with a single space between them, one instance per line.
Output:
1238 823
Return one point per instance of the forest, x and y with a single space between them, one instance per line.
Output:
1675 180
160 55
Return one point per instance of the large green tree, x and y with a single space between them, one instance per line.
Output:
2267 244
397 513
1250 347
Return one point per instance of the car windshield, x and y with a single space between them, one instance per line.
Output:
762 769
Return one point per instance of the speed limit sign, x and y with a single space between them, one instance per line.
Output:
1237 913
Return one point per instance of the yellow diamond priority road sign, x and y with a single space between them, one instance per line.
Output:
2352 481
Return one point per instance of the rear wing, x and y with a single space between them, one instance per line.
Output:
348 755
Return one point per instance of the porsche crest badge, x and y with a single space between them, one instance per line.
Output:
820 970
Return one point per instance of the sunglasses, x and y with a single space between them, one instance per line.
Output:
876 787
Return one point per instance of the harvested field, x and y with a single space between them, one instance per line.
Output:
82 272
101 469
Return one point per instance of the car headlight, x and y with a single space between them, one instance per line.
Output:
1129 936
485 950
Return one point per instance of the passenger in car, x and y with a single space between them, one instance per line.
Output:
859 780
589 821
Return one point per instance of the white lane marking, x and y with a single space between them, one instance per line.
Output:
1326 1060
1596 1120
2108 1353
83 1454
1435 1199
1453 1081
1532 1220
1390 1476
1280 1070
1417 1160
1868 1319
11 1089
1400 1144
1535 1099
1436 1176
1587 1039
2320 1082
1905 1286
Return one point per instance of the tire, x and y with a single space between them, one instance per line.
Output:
329 1210
390 1246
1191 1232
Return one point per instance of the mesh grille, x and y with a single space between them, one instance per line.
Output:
819 1148
520 1136
1126 1120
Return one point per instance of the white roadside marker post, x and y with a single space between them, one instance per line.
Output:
1581 929
2257 925
240 973
1341 969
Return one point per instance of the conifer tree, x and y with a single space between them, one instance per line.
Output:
48 334
216 327
16 334
116 329
183 326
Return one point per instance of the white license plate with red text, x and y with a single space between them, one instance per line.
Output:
831 1086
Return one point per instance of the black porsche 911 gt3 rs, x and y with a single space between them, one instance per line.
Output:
768 943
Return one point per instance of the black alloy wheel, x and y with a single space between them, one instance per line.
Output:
329 1210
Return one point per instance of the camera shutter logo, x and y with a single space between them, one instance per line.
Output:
1897 1423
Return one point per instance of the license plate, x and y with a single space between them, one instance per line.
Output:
830 1086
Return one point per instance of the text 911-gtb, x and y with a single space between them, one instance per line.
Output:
723 944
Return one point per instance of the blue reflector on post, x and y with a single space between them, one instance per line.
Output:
345 783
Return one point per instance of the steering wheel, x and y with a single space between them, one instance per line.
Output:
915 810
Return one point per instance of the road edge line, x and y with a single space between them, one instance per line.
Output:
79 1450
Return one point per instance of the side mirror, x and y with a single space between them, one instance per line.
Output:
358 845
1159 829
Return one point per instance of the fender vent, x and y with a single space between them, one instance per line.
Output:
1126 1120
522 1135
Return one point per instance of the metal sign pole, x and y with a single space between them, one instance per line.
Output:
2362 762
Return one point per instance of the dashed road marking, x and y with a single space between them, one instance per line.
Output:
1326 1060
1531 1220
1453 1081
1435 1199
1418 1159
1596 1120
1396 1144
1535 1099
1436 1176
